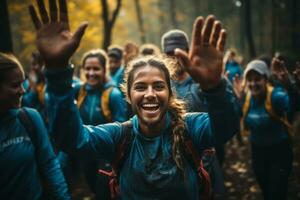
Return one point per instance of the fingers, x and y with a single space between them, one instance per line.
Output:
183 56
196 34
222 40
215 33
79 32
43 11
53 10
36 22
207 29
63 12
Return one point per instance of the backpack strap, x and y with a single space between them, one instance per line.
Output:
201 171
81 95
121 152
104 101
105 104
29 126
41 89
268 105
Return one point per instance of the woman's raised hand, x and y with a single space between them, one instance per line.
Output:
54 39
205 58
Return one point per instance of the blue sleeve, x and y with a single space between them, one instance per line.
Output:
199 129
223 111
118 105
66 125
47 160
280 101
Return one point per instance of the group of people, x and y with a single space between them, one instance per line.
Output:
140 115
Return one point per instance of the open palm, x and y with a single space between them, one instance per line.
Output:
54 39
204 61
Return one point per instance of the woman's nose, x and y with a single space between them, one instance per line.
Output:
150 92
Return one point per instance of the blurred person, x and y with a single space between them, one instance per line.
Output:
265 111
99 102
131 51
116 69
149 49
28 166
232 66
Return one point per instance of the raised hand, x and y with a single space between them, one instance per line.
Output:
54 39
279 71
205 59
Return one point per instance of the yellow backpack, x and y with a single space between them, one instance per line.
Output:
104 101
268 105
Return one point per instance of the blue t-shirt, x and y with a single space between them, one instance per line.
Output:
264 129
149 171
20 164
91 110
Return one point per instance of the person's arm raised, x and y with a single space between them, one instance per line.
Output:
204 61
54 40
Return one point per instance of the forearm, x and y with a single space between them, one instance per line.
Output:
55 179
223 111
65 124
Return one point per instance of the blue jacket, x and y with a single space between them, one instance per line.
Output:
19 163
264 129
90 109
117 77
190 92
149 171
234 69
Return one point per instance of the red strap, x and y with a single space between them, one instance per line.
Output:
202 173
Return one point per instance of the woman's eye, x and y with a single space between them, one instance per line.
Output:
139 87
159 87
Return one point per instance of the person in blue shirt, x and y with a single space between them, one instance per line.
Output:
232 68
35 86
24 161
95 69
116 68
187 89
280 77
270 143
155 167
89 100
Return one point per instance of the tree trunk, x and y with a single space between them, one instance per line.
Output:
173 13
140 21
6 44
295 18
273 29
109 23
248 28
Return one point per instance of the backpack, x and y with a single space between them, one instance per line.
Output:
104 101
30 128
269 108
123 148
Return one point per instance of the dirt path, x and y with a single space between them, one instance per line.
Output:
239 178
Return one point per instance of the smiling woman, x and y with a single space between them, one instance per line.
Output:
26 153
154 167
11 80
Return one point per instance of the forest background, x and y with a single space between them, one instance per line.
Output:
254 27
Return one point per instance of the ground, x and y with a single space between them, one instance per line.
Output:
239 178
